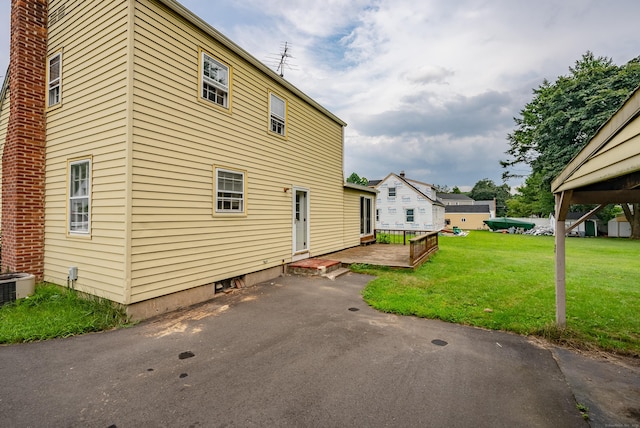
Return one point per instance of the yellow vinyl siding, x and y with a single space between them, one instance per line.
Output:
177 139
473 221
91 122
351 204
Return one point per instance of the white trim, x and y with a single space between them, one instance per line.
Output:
55 85
220 87
372 215
243 193
298 254
279 118
71 197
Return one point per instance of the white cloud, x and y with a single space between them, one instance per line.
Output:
428 87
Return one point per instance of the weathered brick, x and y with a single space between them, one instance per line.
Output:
23 160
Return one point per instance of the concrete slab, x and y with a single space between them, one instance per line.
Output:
296 351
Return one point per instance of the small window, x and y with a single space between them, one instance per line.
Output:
377 214
409 215
392 192
215 81
54 79
229 191
463 219
447 221
278 114
79 196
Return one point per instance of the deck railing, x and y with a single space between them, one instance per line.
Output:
422 247
422 243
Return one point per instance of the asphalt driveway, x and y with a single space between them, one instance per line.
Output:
292 352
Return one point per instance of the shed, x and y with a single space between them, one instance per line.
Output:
605 171
619 227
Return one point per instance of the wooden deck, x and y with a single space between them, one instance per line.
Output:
395 256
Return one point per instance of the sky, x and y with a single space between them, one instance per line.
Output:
428 87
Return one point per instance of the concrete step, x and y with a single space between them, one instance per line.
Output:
336 273
313 267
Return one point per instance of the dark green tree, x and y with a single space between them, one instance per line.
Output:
356 179
529 201
486 189
560 120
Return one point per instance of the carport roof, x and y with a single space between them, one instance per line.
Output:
607 169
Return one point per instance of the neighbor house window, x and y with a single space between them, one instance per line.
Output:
377 215
392 192
229 191
409 215
278 114
54 79
215 81
79 196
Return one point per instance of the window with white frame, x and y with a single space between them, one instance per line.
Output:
215 81
79 196
409 215
278 114
229 191
392 192
54 77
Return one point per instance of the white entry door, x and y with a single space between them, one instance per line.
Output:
300 221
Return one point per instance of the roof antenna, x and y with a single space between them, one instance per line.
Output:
283 59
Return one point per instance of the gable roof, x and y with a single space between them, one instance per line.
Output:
454 196
405 181
208 29
467 209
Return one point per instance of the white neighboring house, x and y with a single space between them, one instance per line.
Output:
405 204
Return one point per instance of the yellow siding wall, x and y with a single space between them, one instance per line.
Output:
352 215
177 140
4 121
91 122
473 221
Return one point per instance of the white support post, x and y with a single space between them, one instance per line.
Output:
561 296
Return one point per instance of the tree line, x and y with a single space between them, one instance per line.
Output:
550 130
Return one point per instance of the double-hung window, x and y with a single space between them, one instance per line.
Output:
215 81
409 215
79 196
392 192
54 79
278 114
229 191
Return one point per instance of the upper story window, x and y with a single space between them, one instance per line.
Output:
215 81
79 196
229 191
54 79
278 114
392 192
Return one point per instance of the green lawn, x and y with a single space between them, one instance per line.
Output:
56 312
506 282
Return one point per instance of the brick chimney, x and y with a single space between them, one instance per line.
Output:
23 159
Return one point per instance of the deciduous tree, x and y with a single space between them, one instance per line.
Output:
560 120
